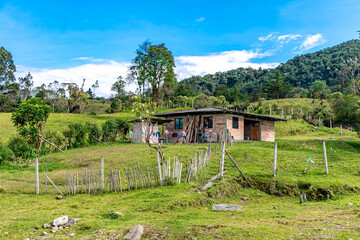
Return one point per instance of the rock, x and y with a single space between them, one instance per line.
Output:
299 175
115 214
135 233
59 197
71 234
244 198
54 229
60 221
207 186
71 222
226 207
46 225
349 204
60 227
275 207
259 194
44 234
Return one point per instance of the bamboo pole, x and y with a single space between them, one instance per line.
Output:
325 158
37 176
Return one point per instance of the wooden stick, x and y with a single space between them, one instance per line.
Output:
222 160
53 145
238 169
54 185
275 158
45 183
158 159
325 158
37 176
102 174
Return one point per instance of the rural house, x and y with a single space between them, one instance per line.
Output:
210 124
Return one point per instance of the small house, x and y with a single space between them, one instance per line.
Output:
210 124
146 128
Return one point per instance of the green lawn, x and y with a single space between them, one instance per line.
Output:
181 211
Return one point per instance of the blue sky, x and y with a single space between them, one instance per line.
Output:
72 40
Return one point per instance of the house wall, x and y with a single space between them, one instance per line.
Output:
237 134
267 131
139 130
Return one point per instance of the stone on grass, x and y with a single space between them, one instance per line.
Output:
244 198
71 222
226 207
349 204
59 197
54 229
44 233
134 233
115 214
207 186
60 221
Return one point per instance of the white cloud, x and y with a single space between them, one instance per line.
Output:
265 38
106 72
312 41
288 37
188 66
200 19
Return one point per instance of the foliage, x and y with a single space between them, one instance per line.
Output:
7 69
143 110
119 87
346 108
278 87
94 132
153 65
21 148
319 89
108 131
30 118
5 154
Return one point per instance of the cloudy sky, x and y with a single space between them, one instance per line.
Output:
96 40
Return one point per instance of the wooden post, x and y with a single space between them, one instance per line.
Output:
54 185
325 158
340 129
158 160
222 160
102 174
45 182
37 175
243 175
275 158
330 124
319 122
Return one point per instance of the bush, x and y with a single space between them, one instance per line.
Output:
109 130
5 154
94 132
21 148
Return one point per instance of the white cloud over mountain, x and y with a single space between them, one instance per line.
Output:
312 41
106 71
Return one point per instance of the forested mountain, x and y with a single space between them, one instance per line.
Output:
332 65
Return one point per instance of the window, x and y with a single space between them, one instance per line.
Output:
178 123
208 122
235 123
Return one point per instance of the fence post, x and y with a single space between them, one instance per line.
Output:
340 129
222 160
37 175
325 158
158 160
275 158
102 174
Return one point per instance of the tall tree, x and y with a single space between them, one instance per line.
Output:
119 87
7 69
153 65
25 85
278 86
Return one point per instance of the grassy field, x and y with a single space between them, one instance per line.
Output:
271 209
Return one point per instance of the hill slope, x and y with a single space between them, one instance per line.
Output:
300 71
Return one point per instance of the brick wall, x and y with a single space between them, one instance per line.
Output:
237 134
268 131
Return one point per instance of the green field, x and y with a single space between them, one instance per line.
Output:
181 211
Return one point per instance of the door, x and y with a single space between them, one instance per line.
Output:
255 131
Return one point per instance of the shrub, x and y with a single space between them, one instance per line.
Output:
94 132
5 154
21 148
109 130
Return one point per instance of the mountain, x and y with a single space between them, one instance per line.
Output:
300 71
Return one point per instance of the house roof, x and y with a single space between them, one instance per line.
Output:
218 111
153 120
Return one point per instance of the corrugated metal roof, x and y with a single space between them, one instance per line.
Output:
218 111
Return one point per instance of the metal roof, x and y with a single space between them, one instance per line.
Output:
153 120
218 111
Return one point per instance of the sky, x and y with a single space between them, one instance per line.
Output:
68 41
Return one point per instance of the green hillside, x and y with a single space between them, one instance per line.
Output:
300 72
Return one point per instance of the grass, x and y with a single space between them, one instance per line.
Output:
184 212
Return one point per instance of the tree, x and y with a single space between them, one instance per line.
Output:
119 87
25 85
29 118
153 66
319 89
7 69
278 86
76 95
94 87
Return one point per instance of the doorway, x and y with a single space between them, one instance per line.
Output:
251 130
